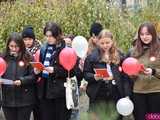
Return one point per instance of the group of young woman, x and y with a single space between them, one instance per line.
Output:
43 92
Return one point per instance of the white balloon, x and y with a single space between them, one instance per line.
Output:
125 106
80 45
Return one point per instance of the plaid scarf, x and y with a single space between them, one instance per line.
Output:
36 46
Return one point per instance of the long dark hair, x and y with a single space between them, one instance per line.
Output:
22 54
154 45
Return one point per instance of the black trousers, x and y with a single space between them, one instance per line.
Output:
36 111
17 113
54 109
145 104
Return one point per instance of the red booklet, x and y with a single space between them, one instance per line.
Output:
102 72
38 65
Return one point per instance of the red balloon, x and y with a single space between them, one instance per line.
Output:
68 58
131 66
3 66
37 56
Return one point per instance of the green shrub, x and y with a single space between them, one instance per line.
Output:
75 16
102 111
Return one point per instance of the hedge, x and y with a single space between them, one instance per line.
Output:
75 16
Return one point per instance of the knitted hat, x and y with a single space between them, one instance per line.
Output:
28 32
95 29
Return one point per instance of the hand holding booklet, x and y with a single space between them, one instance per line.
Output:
38 65
101 72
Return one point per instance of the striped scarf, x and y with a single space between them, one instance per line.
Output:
50 51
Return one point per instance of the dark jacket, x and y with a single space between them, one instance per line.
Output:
53 86
18 96
118 89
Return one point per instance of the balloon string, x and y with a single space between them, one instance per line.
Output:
68 74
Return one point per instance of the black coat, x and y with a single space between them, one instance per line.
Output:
53 86
18 96
118 90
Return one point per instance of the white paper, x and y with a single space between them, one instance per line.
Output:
6 81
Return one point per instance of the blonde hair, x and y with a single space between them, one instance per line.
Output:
113 52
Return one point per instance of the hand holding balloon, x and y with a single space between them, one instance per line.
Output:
131 66
148 71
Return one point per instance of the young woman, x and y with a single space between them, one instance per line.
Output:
18 98
104 90
146 89
95 29
51 89
68 40
32 46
